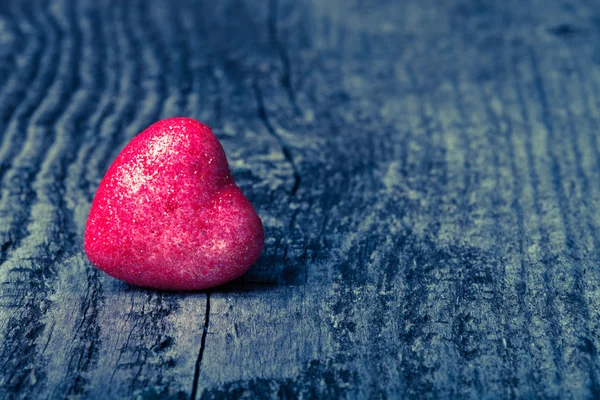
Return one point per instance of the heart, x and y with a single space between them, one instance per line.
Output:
168 215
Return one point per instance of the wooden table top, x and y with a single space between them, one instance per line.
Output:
427 173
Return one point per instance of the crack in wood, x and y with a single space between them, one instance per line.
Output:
202 347
262 114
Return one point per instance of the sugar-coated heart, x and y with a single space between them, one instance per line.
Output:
168 215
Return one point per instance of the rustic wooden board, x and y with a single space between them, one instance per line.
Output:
427 173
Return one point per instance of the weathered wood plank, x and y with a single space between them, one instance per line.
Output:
426 173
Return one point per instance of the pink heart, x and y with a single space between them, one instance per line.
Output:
168 215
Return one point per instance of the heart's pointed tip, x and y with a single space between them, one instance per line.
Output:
167 214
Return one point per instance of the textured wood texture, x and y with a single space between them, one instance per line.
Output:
427 174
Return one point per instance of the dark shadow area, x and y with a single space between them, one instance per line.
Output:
264 276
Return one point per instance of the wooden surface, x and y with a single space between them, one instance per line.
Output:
426 171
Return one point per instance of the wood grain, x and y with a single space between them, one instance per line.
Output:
427 174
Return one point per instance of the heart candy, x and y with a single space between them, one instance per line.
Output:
168 215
